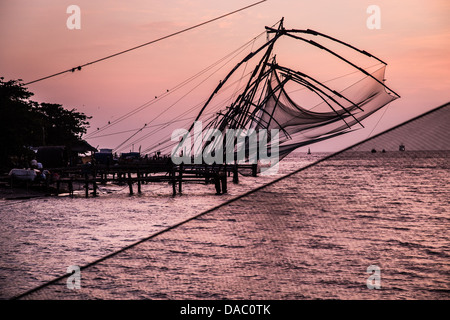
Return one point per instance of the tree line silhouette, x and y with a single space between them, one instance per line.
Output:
25 123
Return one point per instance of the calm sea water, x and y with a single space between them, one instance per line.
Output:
309 236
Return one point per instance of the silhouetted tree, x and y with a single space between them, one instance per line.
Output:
61 126
25 123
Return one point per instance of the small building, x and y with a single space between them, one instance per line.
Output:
78 150
104 156
130 157
62 156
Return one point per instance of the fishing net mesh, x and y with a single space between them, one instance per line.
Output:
300 125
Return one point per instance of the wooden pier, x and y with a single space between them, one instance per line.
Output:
135 174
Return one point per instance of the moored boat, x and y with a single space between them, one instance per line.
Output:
23 174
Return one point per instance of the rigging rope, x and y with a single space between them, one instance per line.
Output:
217 106
235 52
158 144
382 115
145 44
168 92
147 127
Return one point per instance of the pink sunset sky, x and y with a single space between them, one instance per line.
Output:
414 40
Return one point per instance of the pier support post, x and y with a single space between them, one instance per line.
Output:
104 177
217 183
254 169
223 178
174 187
180 179
94 186
94 182
86 185
139 180
235 174
71 187
130 183
206 172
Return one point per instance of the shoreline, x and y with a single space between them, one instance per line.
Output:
21 193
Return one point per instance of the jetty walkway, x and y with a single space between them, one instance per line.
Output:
90 176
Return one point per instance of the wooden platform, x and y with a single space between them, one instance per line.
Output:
91 176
